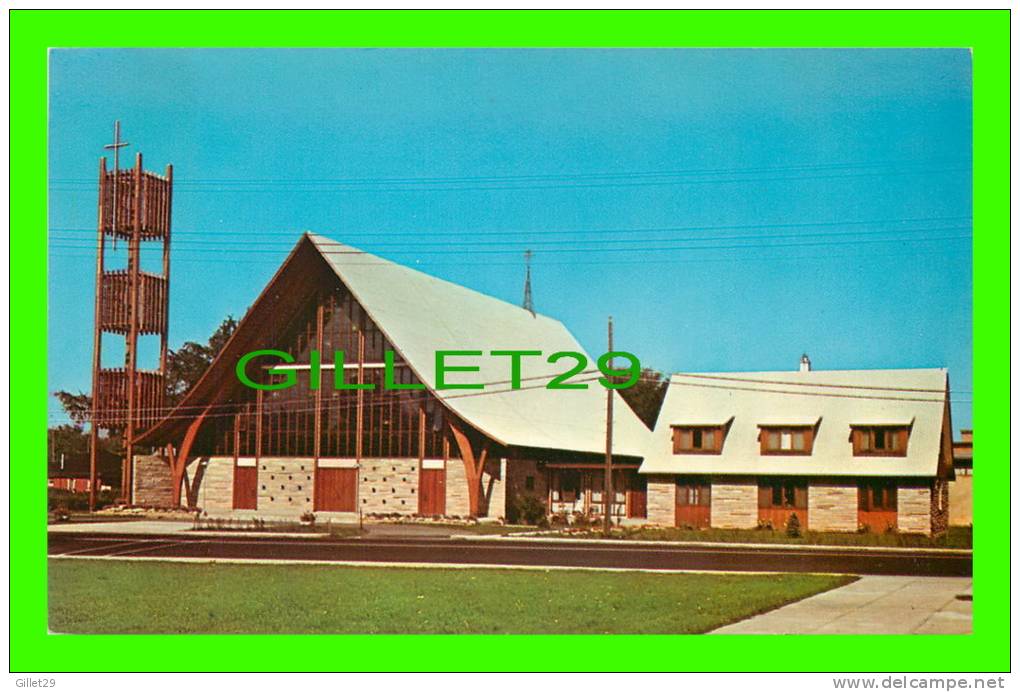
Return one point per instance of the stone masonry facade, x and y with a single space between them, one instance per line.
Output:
735 505
388 486
832 506
661 500
211 484
494 489
940 507
152 481
285 486
914 507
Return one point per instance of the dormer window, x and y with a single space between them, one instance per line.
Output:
880 440
786 440
700 439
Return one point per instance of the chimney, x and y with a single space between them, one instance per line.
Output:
805 363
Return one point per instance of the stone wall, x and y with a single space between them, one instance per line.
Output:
285 485
152 481
517 475
494 488
832 507
457 504
662 500
735 505
914 509
940 507
388 486
961 501
210 484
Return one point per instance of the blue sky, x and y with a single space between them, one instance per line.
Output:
730 208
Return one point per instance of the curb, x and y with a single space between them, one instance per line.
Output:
717 544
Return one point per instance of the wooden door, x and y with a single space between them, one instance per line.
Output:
246 480
877 505
637 496
432 492
694 504
336 489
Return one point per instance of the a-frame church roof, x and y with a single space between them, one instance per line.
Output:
420 314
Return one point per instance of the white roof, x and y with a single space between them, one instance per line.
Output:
420 314
834 400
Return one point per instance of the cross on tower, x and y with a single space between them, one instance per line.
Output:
116 146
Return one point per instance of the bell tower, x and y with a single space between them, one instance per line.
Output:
134 208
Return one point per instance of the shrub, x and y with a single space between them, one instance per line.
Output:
78 502
308 518
793 526
528 510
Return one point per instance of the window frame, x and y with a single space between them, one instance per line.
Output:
862 438
809 440
889 493
700 489
767 489
678 431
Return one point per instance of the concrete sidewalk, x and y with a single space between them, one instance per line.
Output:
873 605
132 527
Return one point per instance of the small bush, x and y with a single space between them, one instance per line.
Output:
308 518
78 502
793 526
528 510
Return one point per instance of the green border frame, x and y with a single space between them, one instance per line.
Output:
32 32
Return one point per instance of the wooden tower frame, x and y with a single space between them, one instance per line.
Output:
134 206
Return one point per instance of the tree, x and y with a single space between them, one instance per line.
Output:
184 367
646 396
69 441
77 406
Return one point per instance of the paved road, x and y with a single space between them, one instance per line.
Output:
550 553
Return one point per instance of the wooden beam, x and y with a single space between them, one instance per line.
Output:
179 462
473 466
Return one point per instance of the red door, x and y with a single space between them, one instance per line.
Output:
246 487
432 492
637 497
336 489
693 504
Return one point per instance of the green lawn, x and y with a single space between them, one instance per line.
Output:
99 596
956 537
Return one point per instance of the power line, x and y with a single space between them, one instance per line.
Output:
571 250
283 245
551 186
558 176
290 234
906 252
735 378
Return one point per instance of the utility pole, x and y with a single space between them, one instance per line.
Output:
607 486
